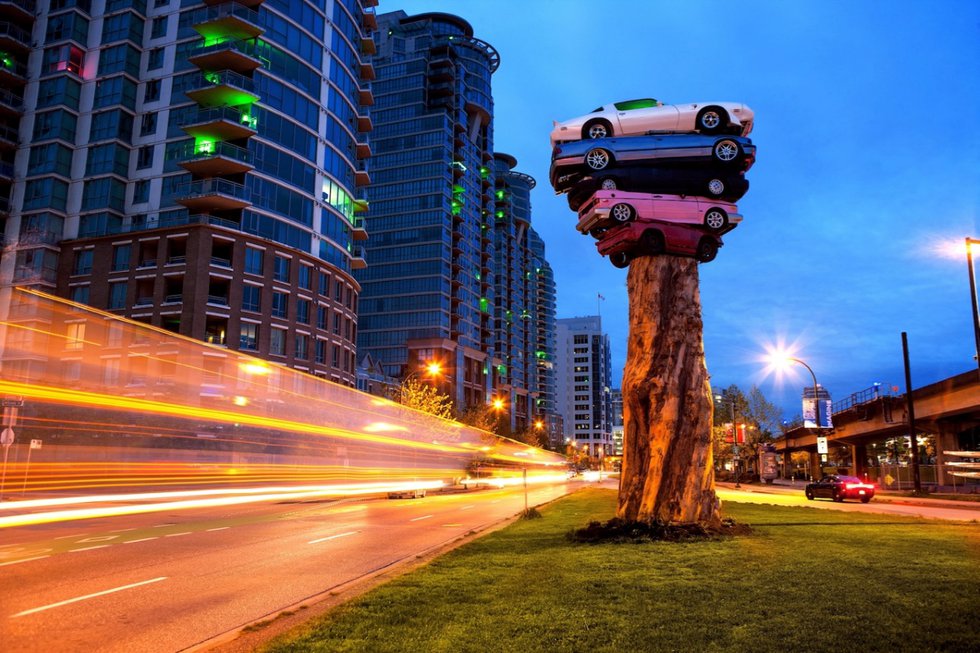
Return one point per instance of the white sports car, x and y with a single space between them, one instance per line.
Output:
635 117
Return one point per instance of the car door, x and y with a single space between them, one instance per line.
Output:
824 488
672 208
641 120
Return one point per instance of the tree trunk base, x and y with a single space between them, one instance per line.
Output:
621 531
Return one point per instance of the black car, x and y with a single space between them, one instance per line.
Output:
713 182
839 488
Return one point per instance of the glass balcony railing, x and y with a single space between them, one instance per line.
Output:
27 6
11 100
221 88
211 149
212 193
226 13
11 32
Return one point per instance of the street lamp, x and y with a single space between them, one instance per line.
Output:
970 243
781 359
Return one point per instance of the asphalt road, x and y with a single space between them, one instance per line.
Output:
166 582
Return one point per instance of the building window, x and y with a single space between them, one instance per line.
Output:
117 295
145 157
155 59
277 342
251 298
141 191
148 124
281 271
324 284
159 27
303 311
305 277
152 92
338 291
280 304
302 345
249 338
83 262
321 318
120 257
253 261
321 352
336 323
79 294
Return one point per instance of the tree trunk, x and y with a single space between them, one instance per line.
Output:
668 474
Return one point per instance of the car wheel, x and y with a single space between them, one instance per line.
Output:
608 183
711 120
809 494
597 159
653 242
597 129
715 219
727 151
707 250
622 212
619 259
716 187
837 497
865 499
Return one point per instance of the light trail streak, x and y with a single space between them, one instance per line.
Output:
86 597
333 537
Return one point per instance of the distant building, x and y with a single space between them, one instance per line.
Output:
616 400
584 379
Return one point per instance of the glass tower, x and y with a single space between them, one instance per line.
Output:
199 166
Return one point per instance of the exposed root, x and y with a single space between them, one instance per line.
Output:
618 531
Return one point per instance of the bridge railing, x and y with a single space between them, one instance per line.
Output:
862 397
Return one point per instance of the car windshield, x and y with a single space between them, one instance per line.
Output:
849 479
629 105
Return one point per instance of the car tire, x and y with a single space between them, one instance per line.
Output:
837 497
596 129
608 183
727 151
598 159
707 250
711 120
622 213
715 219
620 259
809 494
653 242
865 499
716 187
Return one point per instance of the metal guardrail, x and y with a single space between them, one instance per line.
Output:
862 397
197 151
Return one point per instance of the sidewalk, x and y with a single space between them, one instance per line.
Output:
785 486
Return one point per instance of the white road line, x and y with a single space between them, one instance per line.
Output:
87 596
177 534
333 537
123 530
89 548
466 507
145 539
100 538
421 518
17 562
222 528
65 537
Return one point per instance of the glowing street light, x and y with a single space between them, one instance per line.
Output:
498 404
781 360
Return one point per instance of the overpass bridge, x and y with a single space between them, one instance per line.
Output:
949 410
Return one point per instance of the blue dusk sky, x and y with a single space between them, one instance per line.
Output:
868 136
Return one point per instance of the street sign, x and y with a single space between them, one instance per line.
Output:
35 444
822 445
12 402
7 437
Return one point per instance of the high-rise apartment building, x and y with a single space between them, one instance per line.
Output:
584 379
618 422
455 275
198 166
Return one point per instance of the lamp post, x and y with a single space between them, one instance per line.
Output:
816 395
970 242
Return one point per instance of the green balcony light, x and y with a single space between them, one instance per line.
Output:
484 172
501 194
478 277
456 209
486 370
484 305
204 146
541 354
213 78
501 215
458 190
502 369
8 61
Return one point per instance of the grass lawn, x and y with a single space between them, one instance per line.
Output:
804 580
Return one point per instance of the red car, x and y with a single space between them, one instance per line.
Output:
640 237
609 207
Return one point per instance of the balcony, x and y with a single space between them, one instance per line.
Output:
362 150
357 261
226 55
369 20
361 176
364 123
223 88
212 195
11 102
368 46
214 158
7 171
13 37
12 72
18 10
218 300
365 95
229 20
9 137
358 232
222 123
367 71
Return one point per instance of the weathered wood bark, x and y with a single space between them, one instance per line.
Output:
667 473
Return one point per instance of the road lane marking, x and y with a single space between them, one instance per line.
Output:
89 548
17 562
123 530
221 528
421 518
87 596
145 539
101 538
333 537
466 507
451 525
177 534
65 537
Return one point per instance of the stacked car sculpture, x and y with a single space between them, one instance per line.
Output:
649 178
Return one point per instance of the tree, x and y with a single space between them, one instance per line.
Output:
426 398
668 472
480 416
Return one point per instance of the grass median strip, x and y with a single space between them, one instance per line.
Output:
805 579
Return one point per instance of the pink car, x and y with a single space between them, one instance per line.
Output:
640 237
607 208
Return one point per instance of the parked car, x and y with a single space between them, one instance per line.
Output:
838 488
608 207
715 182
735 153
634 117
641 237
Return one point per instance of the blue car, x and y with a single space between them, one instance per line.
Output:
736 153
